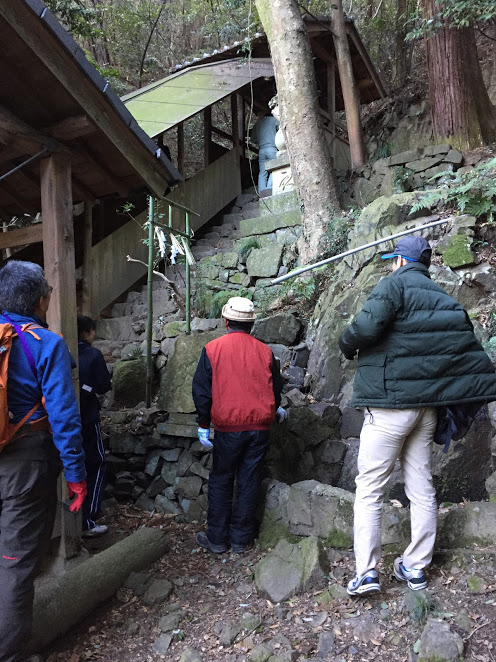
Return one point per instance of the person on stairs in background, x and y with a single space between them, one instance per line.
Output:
263 134
237 386
40 392
94 380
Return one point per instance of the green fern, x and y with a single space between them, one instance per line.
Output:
247 246
472 192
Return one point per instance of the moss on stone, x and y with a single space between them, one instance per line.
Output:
272 531
338 539
457 252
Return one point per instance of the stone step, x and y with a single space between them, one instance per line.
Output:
279 204
175 430
268 224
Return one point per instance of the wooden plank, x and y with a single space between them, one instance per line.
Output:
58 246
221 133
234 120
71 128
331 101
210 190
21 237
24 206
15 132
207 135
87 293
93 102
117 186
180 148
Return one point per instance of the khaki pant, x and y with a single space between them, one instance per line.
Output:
388 434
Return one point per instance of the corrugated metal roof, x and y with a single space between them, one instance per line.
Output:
170 101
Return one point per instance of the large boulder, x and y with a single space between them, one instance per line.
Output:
129 382
177 377
291 569
280 329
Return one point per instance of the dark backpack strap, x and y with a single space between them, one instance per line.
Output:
24 344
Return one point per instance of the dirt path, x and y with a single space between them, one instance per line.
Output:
210 591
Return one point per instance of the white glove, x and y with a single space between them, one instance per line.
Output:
204 437
281 415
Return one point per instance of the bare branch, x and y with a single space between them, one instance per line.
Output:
179 298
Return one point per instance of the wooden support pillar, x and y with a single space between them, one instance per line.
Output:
86 304
235 121
207 134
241 122
180 148
331 103
60 272
58 246
349 87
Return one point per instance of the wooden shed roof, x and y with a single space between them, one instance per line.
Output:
319 31
172 100
53 99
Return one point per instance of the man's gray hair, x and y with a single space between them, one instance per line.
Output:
21 286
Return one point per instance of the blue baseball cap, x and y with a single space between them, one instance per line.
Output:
412 248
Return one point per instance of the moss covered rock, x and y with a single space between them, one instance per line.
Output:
129 382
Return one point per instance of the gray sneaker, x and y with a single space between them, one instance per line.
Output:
414 577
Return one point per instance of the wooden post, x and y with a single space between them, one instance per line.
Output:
235 121
60 272
207 134
180 148
241 122
349 88
331 103
86 304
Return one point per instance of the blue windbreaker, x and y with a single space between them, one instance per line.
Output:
53 365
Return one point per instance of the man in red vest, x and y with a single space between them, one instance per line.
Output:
237 386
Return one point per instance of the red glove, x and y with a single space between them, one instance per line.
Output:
79 490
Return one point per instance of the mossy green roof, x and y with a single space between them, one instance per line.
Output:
168 102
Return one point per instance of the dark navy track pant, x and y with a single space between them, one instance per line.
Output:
28 499
236 456
95 472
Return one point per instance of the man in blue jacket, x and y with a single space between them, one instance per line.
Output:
94 379
39 372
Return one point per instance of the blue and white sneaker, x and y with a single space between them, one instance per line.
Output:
414 577
367 583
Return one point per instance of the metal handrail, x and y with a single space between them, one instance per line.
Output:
308 267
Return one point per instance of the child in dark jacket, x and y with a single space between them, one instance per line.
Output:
94 379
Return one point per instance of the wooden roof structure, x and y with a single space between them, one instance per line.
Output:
172 100
52 100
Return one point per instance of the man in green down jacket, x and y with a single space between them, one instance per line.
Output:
416 352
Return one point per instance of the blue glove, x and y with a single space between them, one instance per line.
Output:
204 437
281 415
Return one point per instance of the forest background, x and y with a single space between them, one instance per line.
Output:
135 42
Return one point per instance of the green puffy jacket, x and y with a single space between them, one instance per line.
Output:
416 347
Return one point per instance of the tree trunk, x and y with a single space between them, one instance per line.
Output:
349 88
462 113
400 45
308 150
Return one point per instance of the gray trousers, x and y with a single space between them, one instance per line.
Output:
28 499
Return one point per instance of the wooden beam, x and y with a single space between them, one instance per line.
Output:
207 134
355 38
241 121
24 206
58 246
81 193
15 132
86 304
118 186
331 102
22 237
71 128
234 121
66 68
221 133
180 148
